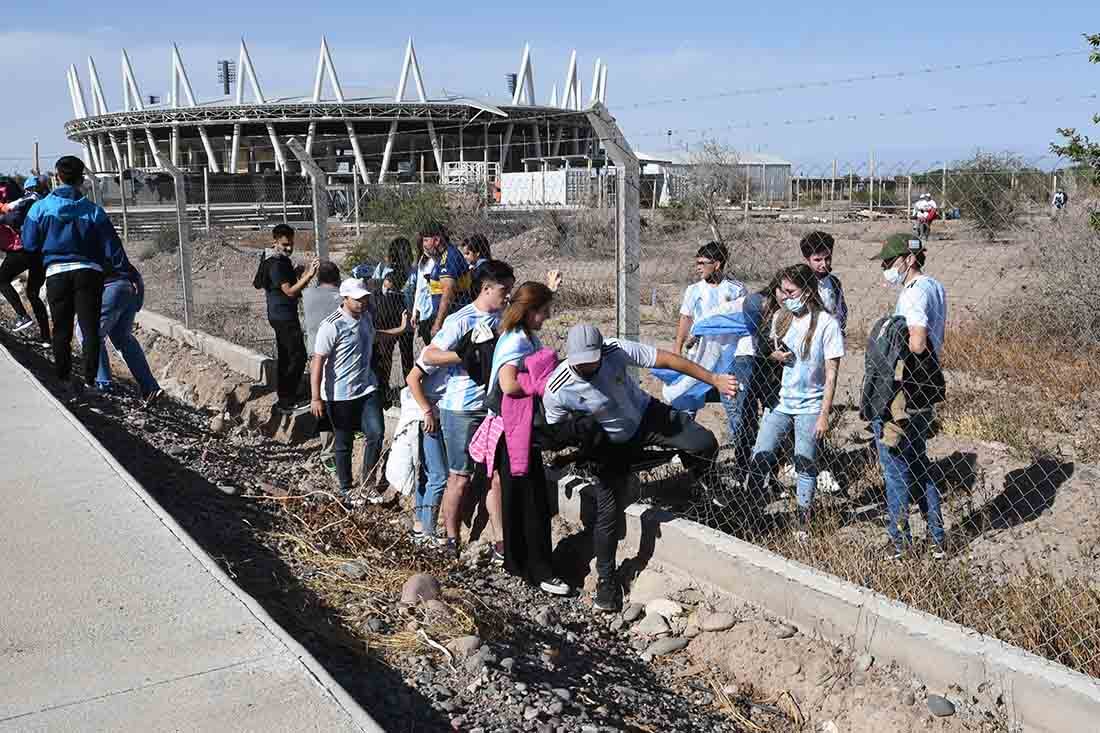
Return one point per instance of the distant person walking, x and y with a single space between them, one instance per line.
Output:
284 287
18 260
79 246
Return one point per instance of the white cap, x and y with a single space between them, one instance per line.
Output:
353 287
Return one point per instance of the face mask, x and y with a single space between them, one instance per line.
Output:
893 277
794 305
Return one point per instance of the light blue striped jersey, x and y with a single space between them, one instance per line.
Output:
348 343
463 394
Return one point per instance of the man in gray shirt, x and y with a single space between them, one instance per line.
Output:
319 303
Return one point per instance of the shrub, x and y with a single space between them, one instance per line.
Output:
982 188
409 213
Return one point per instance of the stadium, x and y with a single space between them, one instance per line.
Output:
390 137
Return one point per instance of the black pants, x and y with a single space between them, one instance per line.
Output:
424 328
383 358
661 427
290 347
526 514
14 265
349 416
76 293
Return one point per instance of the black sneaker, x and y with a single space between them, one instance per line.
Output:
498 553
609 598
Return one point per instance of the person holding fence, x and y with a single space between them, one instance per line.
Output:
594 380
462 407
18 260
343 386
447 277
922 302
283 286
423 308
78 245
808 342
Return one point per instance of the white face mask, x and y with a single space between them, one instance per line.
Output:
893 277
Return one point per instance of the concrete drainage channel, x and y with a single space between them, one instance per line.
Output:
1042 695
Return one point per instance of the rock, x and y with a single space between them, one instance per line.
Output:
617 624
829 727
217 425
663 607
375 625
436 610
530 713
786 631
653 624
546 617
717 622
907 698
420 587
563 694
939 706
508 664
556 708
458 721
651 584
691 597
463 646
692 631
732 689
352 571
863 662
633 612
662 647
475 664
412 627
639 644
789 668
176 450
228 489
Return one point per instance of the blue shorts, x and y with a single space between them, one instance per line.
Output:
458 430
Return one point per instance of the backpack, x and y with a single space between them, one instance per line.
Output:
259 280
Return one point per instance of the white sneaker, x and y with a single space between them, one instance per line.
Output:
22 325
556 587
826 483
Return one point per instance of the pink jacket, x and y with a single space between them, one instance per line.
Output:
516 418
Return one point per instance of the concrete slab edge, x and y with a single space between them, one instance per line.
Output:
1039 694
255 366
355 712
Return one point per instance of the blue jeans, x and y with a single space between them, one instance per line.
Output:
742 410
773 428
458 428
347 417
906 471
121 303
429 491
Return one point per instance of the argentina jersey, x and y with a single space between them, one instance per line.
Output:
462 394
702 299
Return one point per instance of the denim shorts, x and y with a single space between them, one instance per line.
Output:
458 430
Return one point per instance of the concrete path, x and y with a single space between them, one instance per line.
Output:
111 617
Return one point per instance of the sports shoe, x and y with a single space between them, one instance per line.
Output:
894 554
22 324
450 547
556 587
372 495
328 462
498 553
939 552
153 397
608 596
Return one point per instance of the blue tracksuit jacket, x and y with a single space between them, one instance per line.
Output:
66 227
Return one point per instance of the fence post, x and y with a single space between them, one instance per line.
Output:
748 179
871 190
355 203
832 191
943 192
320 207
282 184
908 196
628 222
206 196
125 218
183 227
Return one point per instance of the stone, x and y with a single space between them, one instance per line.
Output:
217 425
633 612
663 607
563 694
651 584
907 698
413 626
420 587
786 631
662 647
507 664
940 706
691 597
375 625
352 571
546 617
732 689
864 662
652 625
829 727
475 664
789 668
556 708
639 644
521 686
692 631
530 713
464 646
617 624
717 622
458 721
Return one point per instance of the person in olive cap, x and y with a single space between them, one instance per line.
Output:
922 302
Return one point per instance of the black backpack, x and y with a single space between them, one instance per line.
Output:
259 280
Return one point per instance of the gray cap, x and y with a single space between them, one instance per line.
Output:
583 344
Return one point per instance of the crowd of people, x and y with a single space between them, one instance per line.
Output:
486 399
67 244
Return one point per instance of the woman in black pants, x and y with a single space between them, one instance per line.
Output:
17 261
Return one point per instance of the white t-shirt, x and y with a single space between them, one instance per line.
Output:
347 342
701 299
511 348
803 387
611 396
463 393
832 295
923 302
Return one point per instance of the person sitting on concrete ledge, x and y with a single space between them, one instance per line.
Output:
593 380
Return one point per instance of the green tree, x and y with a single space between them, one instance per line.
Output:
1077 146
982 187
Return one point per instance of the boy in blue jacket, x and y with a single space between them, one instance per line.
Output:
79 247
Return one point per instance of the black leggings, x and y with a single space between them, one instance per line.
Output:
528 548
79 294
15 264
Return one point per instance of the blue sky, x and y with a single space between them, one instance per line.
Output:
654 51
